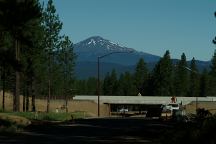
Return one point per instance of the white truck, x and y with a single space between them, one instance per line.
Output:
169 109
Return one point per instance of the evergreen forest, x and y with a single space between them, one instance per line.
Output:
166 79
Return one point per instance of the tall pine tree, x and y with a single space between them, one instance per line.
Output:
18 18
107 85
129 89
140 76
52 39
66 58
91 86
203 92
181 77
114 82
193 90
163 76
212 74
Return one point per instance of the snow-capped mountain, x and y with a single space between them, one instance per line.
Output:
93 47
90 49
100 45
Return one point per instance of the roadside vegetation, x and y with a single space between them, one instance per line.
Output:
49 116
199 130
43 116
12 123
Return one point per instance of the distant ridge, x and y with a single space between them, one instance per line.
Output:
89 49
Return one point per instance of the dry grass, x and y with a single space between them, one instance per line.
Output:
8 101
88 108
211 106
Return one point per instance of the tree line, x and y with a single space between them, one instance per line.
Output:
167 78
35 58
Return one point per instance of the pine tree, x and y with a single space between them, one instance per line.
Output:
140 76
129 88
204 84
214 40
66 60
163 76
121 85
114 83
91 86
52 39
194 80
31 57
18 18
181 77
6 63
80 87
212 75
150 86
107 85
110 84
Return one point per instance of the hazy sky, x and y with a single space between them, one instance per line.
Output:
151 26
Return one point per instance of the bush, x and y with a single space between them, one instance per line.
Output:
8 120
202 131
9 125
202 113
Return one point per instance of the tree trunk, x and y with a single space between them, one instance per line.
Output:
24 99
49 82
17 82
33 95
3 88
27 98
48 98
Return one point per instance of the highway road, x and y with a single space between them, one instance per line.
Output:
91 131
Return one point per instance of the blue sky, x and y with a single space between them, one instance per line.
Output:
151 26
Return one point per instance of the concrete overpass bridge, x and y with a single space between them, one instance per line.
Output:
113 104
143 99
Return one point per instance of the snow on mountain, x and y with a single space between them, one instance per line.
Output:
93 47
99 43
92 41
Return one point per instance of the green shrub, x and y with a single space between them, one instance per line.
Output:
49 116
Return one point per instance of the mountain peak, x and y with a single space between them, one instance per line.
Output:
101 44
94 39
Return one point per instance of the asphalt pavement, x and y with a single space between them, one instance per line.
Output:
91 131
